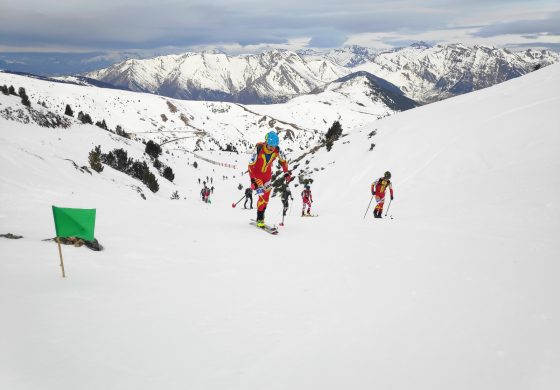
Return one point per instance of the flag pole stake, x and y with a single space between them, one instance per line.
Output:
60 253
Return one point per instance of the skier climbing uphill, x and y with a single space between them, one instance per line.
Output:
378 189
248 197
260 171
286 196
307 200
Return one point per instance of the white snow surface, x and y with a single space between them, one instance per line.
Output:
347 102
195 125
459 291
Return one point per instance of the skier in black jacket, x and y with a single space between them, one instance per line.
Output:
248 196
286 194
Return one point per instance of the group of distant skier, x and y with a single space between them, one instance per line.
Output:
205 192
260 175
286 196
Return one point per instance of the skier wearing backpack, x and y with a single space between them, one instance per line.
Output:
378 189
260 171
286 194
307 200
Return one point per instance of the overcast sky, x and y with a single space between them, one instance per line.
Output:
236 26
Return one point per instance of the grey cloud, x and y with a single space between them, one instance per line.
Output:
327 40
550 26
142 25
128 24
537 44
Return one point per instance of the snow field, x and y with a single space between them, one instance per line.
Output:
458 291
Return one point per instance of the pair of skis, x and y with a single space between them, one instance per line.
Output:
273 229
269 229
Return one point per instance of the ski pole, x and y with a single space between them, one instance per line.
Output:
368 206
389 205
235 204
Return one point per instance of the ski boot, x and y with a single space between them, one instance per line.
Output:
260 219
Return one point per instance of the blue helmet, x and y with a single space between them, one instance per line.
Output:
271 138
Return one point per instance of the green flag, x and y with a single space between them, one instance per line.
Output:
74 222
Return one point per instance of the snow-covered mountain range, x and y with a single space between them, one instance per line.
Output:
353 100
272 76
429 73
424 73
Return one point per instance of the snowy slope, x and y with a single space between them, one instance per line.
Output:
352 100
194 125
458 291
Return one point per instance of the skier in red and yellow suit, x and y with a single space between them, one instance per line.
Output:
260 171
378 189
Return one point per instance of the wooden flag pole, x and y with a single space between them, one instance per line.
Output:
60 253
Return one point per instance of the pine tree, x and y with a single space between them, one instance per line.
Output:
101 124
334 133
168 174
150 180
95 159
4 89
122 161
84 118
120 131
68 111
24 98
11 90
152 149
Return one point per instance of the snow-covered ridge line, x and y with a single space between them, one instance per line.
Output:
422 72
179 124
272 76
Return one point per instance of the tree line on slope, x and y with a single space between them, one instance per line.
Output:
118 159
21 93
